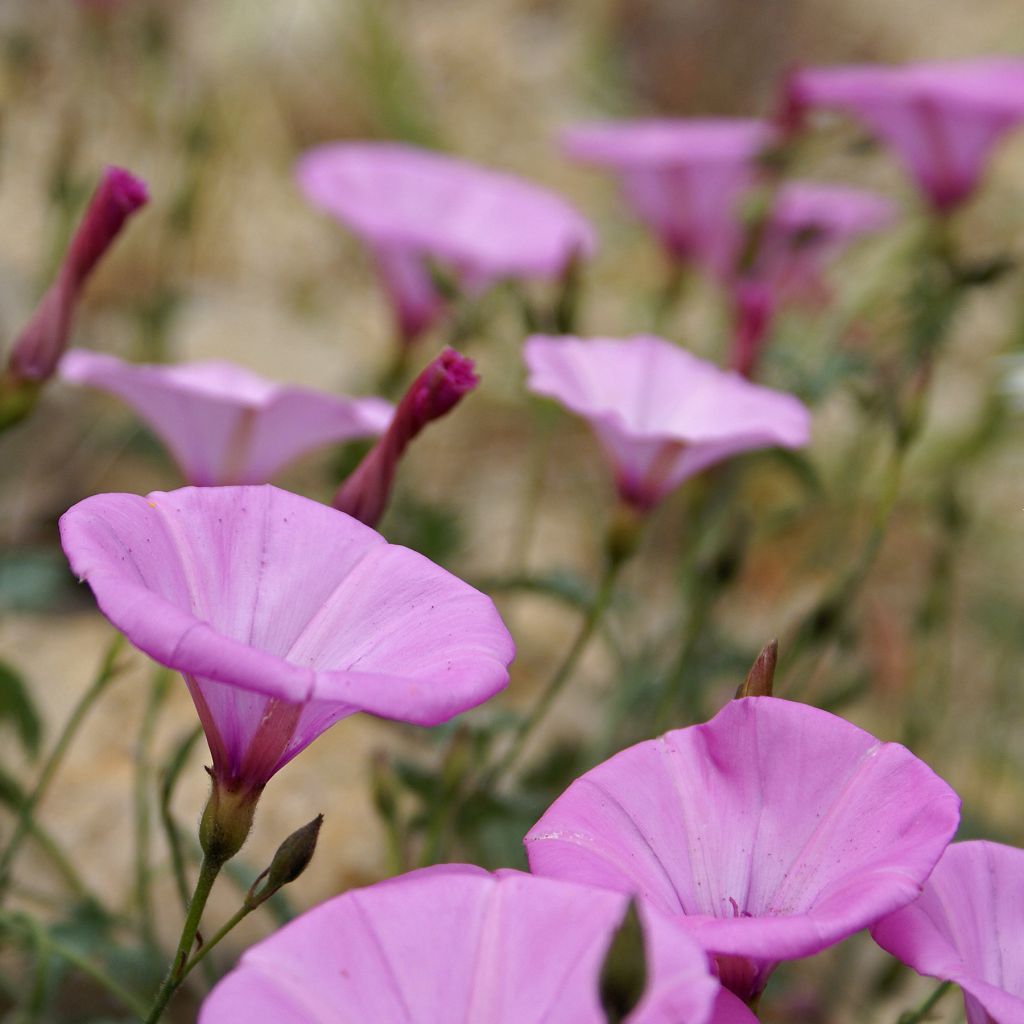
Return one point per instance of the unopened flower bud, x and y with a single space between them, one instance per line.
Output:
364 495
292 858
761 678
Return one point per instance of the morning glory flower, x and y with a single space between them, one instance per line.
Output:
968 927
39 347
222 423
414 208
942 119
772 831
684 178
284 616
455 943
660 413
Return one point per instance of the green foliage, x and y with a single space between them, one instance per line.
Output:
18 710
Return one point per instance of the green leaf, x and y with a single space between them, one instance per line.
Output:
624 972
17 708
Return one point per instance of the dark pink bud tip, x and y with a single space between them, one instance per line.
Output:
127 191
442 384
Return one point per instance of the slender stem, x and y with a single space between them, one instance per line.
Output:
562 675
143 778
239 915
922 1012
74 881
108 669
43 940
208 871
171 830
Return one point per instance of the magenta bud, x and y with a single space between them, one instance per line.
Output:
41 343
438 388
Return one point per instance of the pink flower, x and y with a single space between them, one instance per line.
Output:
43 340
661 414
222 423
685 179
413 207
941 120
810 224
968 927
438 389
772 831
454 943
284 616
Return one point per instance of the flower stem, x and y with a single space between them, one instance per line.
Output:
208 871
922 1012
108 669
239 915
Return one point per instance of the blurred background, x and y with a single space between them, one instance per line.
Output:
211 103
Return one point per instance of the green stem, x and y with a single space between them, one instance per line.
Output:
43 940
562 675
173 773
207 947
143 778
208 871
922 1012
61 862
107 671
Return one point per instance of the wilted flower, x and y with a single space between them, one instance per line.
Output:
942 120
438 388
414 208
968 927
772 831
685 178
661 414
284 616
41 343
809 224
455 943
224 424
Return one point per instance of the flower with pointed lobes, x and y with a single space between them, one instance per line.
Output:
456 943
684 178
284 616
413 208
661 414
942 120
222 423
808 226
968 928
437 390
41 343
772 831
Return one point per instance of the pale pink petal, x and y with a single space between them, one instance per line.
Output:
661 414
454 943
224 424
942 120
685 178
284 615
773 831
968 927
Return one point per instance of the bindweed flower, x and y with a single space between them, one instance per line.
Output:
414 208
436 390
772 831
968 927
284 616
455 943
224 424
809 225
685 179
942 120
661 414
40 345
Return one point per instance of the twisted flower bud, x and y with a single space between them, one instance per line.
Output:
364 495
42 342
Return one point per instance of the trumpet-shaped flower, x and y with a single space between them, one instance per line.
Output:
661 414
455 943
809 225
222 423
772 831
413 207
284 616
942 120
435 392
40 345
685 179
968 927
